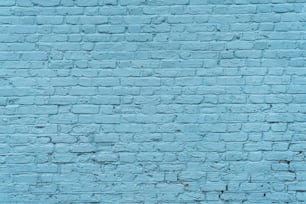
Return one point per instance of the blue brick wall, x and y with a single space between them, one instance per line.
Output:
151 101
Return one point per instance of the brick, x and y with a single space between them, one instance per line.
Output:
105 157
142 101
86 3
54 20
85 109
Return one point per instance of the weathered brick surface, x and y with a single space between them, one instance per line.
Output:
150 101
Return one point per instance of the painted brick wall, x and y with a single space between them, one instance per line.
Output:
151 101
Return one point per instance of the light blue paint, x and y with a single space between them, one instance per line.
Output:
149 101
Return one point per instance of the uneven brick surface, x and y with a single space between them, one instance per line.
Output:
152 101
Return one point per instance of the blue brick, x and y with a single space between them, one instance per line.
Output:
42 20
85 109
105 157
46 3
132 98
86 3
233 137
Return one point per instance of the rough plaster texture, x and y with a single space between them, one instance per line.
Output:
151 101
